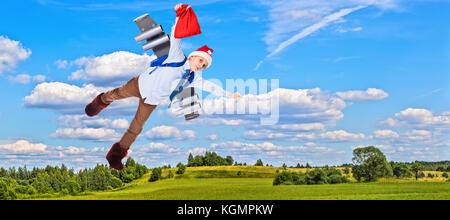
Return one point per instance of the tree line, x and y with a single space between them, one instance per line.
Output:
38 182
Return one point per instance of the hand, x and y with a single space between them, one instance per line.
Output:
178 6
235 96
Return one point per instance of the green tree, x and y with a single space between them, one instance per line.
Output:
229 160
181 169
416 167
7 192
259 163
445 175
156 174
370 164
190 160
401 170
72 187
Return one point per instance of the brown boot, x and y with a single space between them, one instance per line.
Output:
96 106
115 156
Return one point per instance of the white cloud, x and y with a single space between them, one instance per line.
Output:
386 134
272 153
342 136
91 134
371 94
111 68
325 137
21 78
301 127
156 148
24 152
83 121
302 106
71 99
212 137
267 135
39 78
25 78
418 118
168 132
61 64
197 151
418 135
11 53
24 146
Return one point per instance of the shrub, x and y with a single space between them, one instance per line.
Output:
316 176
181 169
156 174
170 175
445 175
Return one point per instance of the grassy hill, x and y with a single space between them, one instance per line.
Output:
255 183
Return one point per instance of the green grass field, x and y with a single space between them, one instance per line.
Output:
255 183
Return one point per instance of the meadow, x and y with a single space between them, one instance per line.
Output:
255 183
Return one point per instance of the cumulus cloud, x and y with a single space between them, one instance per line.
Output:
61 64
157 148
212 137
272 153
385 134
25 78
21 78
24 146
90 134
418 118
71 99
11 53
168 132
371 94
83 121
342 136
24 152
114 68
302 106
338 136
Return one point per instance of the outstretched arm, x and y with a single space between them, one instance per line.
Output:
175 52
211 87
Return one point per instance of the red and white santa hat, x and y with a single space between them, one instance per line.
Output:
204 52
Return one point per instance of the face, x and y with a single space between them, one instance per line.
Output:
197 63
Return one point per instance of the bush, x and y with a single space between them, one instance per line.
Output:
445 175
156 174
316 176
421 175
181 169
282 178
6 191
170 175
313 177
72 187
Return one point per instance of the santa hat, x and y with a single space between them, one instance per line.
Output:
204 52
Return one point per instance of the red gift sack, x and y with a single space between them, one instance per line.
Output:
187 24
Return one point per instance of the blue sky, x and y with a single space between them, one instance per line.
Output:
351 74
